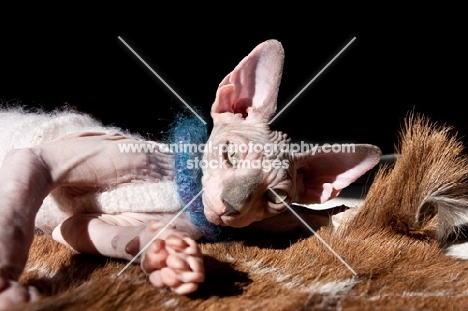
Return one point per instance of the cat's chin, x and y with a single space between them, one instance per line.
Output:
214 218
227 221
232 220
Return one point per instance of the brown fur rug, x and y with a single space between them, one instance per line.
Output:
394 243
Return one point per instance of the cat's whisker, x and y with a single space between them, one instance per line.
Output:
315 233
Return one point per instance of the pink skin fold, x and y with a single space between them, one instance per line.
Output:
88 161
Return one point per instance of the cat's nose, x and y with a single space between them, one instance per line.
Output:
229 209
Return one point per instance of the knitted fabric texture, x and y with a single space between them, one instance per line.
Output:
185 131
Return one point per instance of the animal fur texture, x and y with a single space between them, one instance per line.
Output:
68 176
395 242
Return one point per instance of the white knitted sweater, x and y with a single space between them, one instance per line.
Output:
21 129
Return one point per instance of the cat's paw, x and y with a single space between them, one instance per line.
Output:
173 260
13 294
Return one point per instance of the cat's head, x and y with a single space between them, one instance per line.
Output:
244 158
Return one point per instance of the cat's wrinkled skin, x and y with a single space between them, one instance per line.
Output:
85 161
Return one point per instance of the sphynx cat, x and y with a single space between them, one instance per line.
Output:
58 169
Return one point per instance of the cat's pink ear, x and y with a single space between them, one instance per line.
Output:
251 89
321 176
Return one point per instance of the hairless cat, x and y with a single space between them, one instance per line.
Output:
65 174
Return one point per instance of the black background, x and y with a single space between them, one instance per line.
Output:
402 59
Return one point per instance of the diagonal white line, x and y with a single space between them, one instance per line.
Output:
159 233
161 79
315 233
313 79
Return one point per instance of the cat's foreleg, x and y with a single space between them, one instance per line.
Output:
173 259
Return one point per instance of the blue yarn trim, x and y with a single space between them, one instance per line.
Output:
184 131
